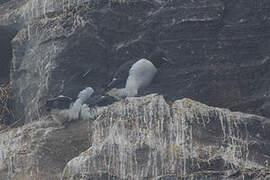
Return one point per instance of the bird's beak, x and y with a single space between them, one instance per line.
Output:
169 61
111 84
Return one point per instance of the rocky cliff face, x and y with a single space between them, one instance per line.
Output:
145 138
221 50
141 138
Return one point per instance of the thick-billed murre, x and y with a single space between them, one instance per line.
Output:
133 76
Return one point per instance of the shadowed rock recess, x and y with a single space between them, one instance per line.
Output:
221 50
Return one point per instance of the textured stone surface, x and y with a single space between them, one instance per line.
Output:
221 49
41 149
144 138
5 54
141 138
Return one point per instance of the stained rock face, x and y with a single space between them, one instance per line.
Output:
145 138
221 54
141 138
221 49
41 149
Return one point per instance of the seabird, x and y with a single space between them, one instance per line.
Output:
100 100
63 108
59 102
64 102
136 75
85 94
79 109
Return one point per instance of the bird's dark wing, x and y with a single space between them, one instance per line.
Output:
100 100
59 102
61 98
121 75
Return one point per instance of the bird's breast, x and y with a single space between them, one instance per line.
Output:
141 74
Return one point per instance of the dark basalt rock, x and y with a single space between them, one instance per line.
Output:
221 49
6 35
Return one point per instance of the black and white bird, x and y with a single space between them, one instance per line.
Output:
59 102
133 76
65 102
63 108
130 77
